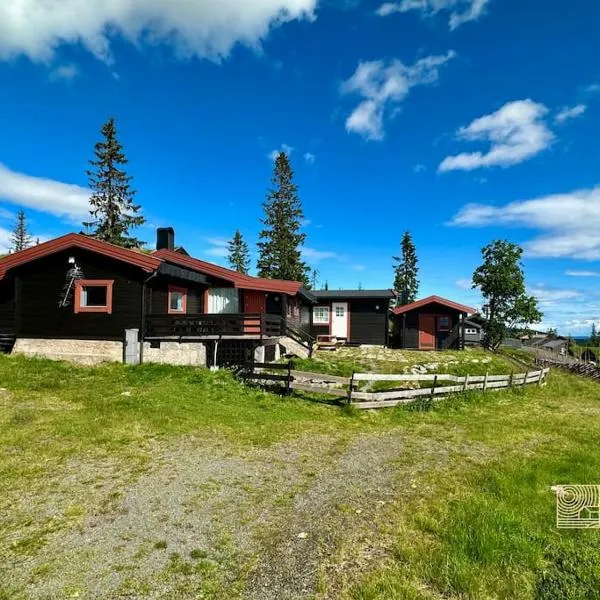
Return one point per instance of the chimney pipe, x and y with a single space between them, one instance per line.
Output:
165 238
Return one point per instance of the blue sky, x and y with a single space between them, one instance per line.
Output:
460 120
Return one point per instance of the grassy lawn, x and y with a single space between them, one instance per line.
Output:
181 483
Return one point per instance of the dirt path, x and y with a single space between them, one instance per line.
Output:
203 519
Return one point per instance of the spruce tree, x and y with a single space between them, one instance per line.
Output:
20 237
406 282
279 250
113 212
239 256
594 335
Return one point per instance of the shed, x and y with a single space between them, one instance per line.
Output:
433 323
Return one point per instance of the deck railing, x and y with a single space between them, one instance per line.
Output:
202 325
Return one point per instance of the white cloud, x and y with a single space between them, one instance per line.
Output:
569 222
5 241
516 133
461 11
218 247
420 168
577 273
275 153
45 195
203 28
359 267
383 87
310 158
315 256
64 73
464 284
594 88
550 296
568 113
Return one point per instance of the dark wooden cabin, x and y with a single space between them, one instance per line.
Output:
433 323
355 316
79 288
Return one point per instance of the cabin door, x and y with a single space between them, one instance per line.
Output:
339 319
426 332
254 302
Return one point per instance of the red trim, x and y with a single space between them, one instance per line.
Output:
75 240
239 280
184 292
81 283
434 299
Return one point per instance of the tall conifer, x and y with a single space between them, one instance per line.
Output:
239 256
406 281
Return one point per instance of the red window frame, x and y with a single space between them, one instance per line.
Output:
184 293
83 283
439 323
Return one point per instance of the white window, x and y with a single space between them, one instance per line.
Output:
339 311
223 300
471 331
321 315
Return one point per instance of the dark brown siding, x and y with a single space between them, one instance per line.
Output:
7 306
158 292
368 324
39 288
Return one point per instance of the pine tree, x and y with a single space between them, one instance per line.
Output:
279 250
594 335
239 256
113 211
20 237
406 271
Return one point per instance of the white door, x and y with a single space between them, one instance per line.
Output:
339 319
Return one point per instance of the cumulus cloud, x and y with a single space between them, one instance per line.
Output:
569 222
5 240
568 113
203 28
383 86
581 273
310 158
516 132
275 153
46 195
551 296
461 11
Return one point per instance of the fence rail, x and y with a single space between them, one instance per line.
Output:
321 383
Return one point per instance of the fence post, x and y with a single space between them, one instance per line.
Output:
526 376
541 377
510 381
433 388
351 388
289 379
485 382
466 384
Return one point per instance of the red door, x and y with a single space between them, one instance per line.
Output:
254 302
426 332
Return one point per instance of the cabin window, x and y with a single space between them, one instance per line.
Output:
177 300
443 323
93 295
321 315
223 300
339 311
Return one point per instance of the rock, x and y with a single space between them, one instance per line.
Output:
302 535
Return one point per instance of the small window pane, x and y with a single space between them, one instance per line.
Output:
339 311
321 314
443 323
94 295
177 301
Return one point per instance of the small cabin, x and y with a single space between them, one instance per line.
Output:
433 323
355 317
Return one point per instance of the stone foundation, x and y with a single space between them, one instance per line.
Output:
174 353
86 352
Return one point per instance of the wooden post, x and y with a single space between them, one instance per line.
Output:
351 388
466 384
485 382
289 379
510 381
433 388
541 377
526 376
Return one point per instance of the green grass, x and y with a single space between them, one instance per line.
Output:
473 516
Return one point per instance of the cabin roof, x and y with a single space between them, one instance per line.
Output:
352 294
434 300
239 280
146 262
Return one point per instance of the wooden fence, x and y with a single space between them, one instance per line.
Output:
588 370
350 391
